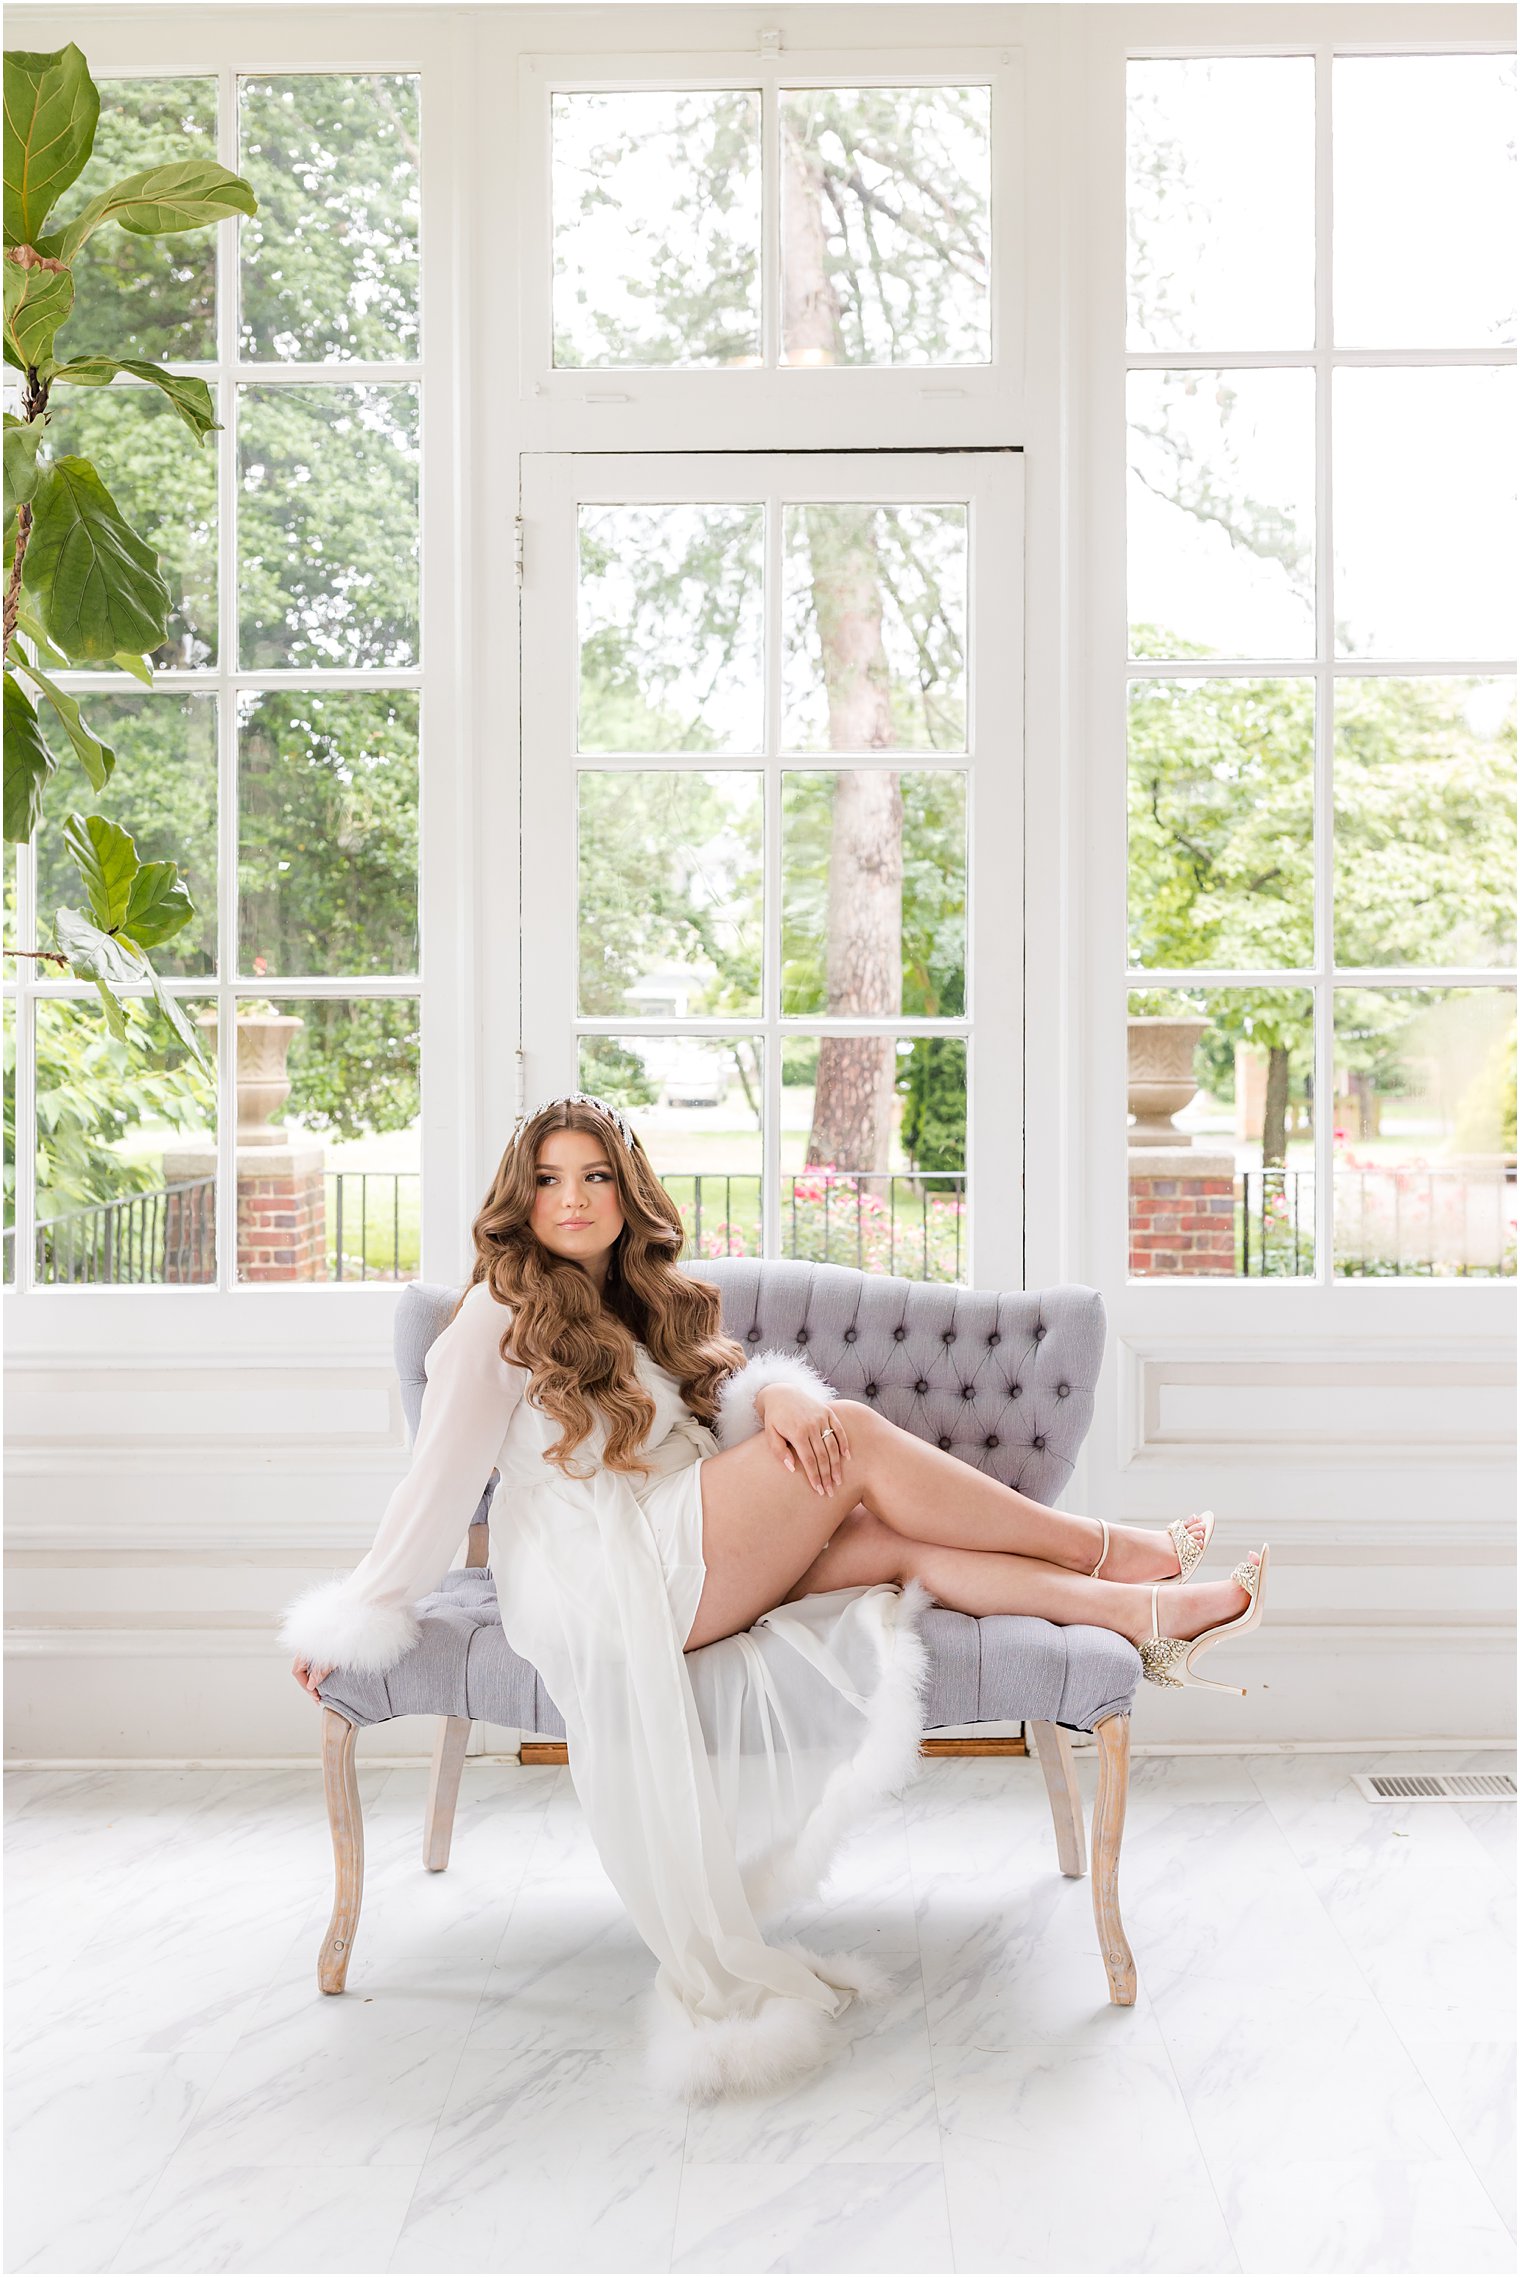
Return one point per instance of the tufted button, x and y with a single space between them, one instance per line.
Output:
899 1333
991 1440
1062 1390
870 1391
754 1336
968 1391
1015 1391
849 1336
996 1337
1039 1332
801 1336
947 1336
1039 1440
920 1386
944 1442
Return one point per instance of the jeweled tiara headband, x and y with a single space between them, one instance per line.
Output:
589 1099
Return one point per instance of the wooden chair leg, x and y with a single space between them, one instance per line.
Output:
1112 1736
1053 1746
345 1816
443 1791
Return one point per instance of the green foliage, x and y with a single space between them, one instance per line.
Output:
83 586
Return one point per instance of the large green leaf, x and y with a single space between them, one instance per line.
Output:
185 194
28 764
97 955
98 758
51 106
96 581
21 439
38 296
190 397
141 903
28 622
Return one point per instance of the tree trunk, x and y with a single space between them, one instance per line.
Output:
1274 1120
855 1095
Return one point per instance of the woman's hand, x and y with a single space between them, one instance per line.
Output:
309 1676
794 1424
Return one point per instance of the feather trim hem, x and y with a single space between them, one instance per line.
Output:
781 2043
887 1760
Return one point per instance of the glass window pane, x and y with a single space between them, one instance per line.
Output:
164 483
1221 513
873 884
1425 822
327 830
874 651
162 791
1425 252
695 1103
1425 1132
1221 1149
656 205
1424 512
669 870
1221 822
1221 202
126 1146
329 1139
327 526
873 1154
149 297
329 262
671 629
886 197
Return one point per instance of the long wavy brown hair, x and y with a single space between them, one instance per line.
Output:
578 1343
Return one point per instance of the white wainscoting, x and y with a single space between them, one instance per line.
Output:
159 1517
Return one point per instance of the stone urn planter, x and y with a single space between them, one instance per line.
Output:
1161 1080
263 1083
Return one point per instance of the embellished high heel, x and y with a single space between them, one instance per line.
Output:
1161 1657
1188 1547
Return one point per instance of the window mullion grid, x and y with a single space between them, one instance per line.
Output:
771 249
1322 993
227 303
770 894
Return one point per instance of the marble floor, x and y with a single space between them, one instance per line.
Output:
1316 2074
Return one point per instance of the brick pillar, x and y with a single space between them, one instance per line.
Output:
281 1214
1181 1211
190 1214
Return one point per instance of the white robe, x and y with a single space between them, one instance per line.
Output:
717 1783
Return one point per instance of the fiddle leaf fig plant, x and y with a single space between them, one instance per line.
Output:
82 587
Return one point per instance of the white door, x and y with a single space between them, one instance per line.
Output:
772 839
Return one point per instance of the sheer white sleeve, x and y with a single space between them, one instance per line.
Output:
738 1417
366 1620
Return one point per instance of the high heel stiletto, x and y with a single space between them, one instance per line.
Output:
1161 1657
1188 1546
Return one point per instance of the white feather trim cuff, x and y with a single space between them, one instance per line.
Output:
738 1418
331 1626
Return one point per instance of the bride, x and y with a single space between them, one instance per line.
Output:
737 1532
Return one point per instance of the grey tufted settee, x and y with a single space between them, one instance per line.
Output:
1004 1379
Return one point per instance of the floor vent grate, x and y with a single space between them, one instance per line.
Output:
1436 1786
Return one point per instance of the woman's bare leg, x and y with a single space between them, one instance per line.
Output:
765 1526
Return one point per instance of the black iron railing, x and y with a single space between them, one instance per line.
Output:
165 1234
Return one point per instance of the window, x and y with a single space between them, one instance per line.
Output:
1321 730
276 754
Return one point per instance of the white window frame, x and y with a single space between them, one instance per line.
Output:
174 1319
992 763
1279 1373
846 406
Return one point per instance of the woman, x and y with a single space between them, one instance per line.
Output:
660 1496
